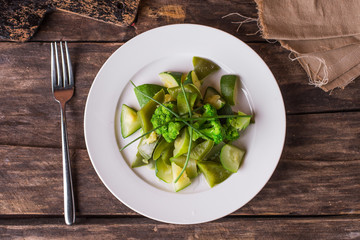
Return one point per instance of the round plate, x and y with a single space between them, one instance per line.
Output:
171 48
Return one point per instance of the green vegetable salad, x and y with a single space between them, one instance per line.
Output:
184 133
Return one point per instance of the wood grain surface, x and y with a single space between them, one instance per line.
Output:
31 183
226 228
313 193
65 26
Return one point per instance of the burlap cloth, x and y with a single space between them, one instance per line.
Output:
323 35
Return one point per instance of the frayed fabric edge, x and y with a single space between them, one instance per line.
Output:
325 83
260 11
314 78
246 20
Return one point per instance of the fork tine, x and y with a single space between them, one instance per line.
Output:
64 69
53 70
70 72
59 78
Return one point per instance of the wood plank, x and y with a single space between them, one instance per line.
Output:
60 25
151 14
331 136
31 183
28 106
227 228
26 97
209 13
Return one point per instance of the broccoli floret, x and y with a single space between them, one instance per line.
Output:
214 130
162 116
196 135
197 125
172 131
209 110
211 128
231 133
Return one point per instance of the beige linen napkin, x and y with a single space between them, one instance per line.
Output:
324 36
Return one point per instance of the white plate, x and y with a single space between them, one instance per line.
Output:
171 48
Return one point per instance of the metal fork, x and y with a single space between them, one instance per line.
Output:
63 89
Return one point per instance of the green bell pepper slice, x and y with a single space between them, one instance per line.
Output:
181 102
146 112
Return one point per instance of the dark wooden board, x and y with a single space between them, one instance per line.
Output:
65 26
329 228
31 183
20 19
119 12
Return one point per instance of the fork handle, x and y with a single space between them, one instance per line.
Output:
69 204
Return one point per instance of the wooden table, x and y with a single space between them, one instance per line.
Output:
313 194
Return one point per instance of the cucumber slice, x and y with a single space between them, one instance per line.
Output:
171 79
203 67
148 89
228 88
240 123
191 78
129 121
191 168
214 98
181 143
181 102
163 168
201 150
214 153
146 112
151 164
163 171
160 148
139 161
146 149
190 88
213 171
183 181
231 157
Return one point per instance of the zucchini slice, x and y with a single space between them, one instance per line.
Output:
171 79
214 98
183 181
204 67
231 157
213 171
129 121
181 143
228 88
